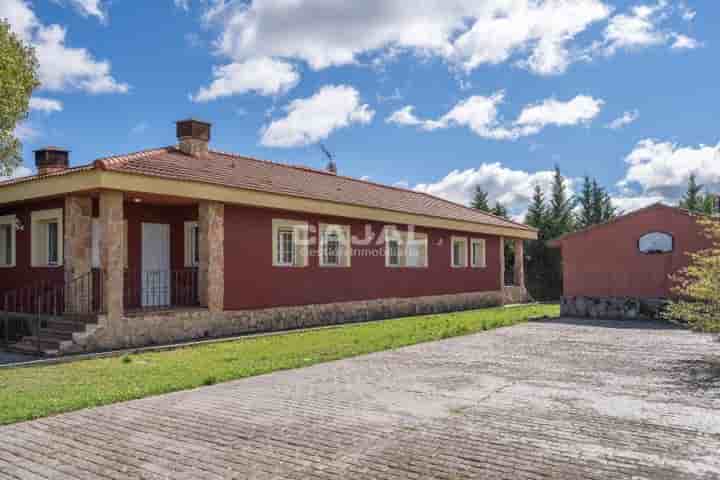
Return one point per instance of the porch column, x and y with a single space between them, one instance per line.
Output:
502 263
212 255
111 253
77 236
520 263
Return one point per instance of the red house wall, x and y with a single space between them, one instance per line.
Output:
136 215
23 275
175 216
251 280
605 261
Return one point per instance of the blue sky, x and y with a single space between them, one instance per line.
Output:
439 97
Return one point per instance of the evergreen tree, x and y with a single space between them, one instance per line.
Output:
692 200
537 211
595 205
500 210
585 200
709 204
480 200
561 207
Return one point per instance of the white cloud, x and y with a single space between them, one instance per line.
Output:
512 188
629 204
683 42
312 119
579 110
182 4
60 67
662 169
89 8
46 105
25 131
545 29
21 171
264 76
642 27
687 13
623 120
480 114
466 33
404 116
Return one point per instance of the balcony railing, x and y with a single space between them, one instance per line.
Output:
161 289
27 310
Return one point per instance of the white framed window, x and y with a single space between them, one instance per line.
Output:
192 244
7 240
290 243
47 238
335 249
477 253
416 250
97 237
393 256
405 249
458 246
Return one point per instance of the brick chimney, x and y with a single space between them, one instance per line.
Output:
193 136
51 160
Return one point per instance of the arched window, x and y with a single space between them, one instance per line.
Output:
656 242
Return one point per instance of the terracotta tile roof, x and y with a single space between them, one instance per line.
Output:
232 170
226 169
32 178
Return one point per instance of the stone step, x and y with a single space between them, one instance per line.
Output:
31 349
46 343
65 325
80 318
58 334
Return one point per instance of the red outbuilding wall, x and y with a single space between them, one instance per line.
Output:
604 261
251 280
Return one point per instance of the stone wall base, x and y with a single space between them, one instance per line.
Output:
177 326
614 308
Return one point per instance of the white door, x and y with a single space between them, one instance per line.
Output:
155 265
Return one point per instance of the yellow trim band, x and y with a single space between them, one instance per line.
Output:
90 180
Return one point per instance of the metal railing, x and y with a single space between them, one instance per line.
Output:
26 311
161 289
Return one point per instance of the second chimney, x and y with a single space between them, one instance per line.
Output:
51 160
193 136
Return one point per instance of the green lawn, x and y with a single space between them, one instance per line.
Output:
27 393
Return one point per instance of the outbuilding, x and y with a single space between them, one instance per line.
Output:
623 268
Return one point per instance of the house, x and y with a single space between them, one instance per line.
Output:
184 242
622 269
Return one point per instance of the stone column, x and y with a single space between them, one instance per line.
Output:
77 257
212 255
520 263
111 253
77 236
502 262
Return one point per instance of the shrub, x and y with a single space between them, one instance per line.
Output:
698 286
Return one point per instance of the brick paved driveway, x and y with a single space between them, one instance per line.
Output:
562 399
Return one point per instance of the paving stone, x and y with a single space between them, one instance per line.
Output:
547 400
